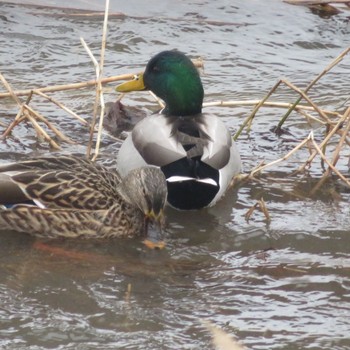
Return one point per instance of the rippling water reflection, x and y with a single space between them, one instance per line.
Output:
283 285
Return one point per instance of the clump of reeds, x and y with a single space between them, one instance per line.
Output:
335 124
27 113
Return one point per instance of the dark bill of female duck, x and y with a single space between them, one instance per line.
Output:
74 198
195 151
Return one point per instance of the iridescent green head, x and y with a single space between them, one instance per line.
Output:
173 77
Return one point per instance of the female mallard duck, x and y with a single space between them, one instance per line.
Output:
195 151
77 198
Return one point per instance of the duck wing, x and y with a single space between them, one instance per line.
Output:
65 182
67 223
161 140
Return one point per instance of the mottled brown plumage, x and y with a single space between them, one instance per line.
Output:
78 198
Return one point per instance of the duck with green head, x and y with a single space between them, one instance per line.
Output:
195 151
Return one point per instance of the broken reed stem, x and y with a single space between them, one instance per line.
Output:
312 83
82 85
307 98
317 150
285 157
309 117
323 143
27 114
335 157
10 90
262 102
48 124
19 117
99 90
42 132
159 101
104 38
266 104
62 106
262 206
99 99
331 166
256 108
25 106
66 87
342 139
93 122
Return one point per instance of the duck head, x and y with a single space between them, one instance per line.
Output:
146 189
171 76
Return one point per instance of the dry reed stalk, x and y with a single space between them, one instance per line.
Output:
311 84
74 86
265 104
39 130
335 157
343 137
159 101
61 105
48 124
331 166
341 133
42 132
94 116
323 143
285 157
262 102
255 110
99 99
94 14
18 119
128 293
307 98
99 91
260 204
66 87
309 117
10 90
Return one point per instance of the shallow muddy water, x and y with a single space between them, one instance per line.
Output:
282 285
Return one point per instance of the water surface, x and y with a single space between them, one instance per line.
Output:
278 285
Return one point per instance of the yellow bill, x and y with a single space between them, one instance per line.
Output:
136 84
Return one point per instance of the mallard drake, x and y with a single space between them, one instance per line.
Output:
195 151
75 197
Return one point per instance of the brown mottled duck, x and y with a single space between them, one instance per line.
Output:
74 197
